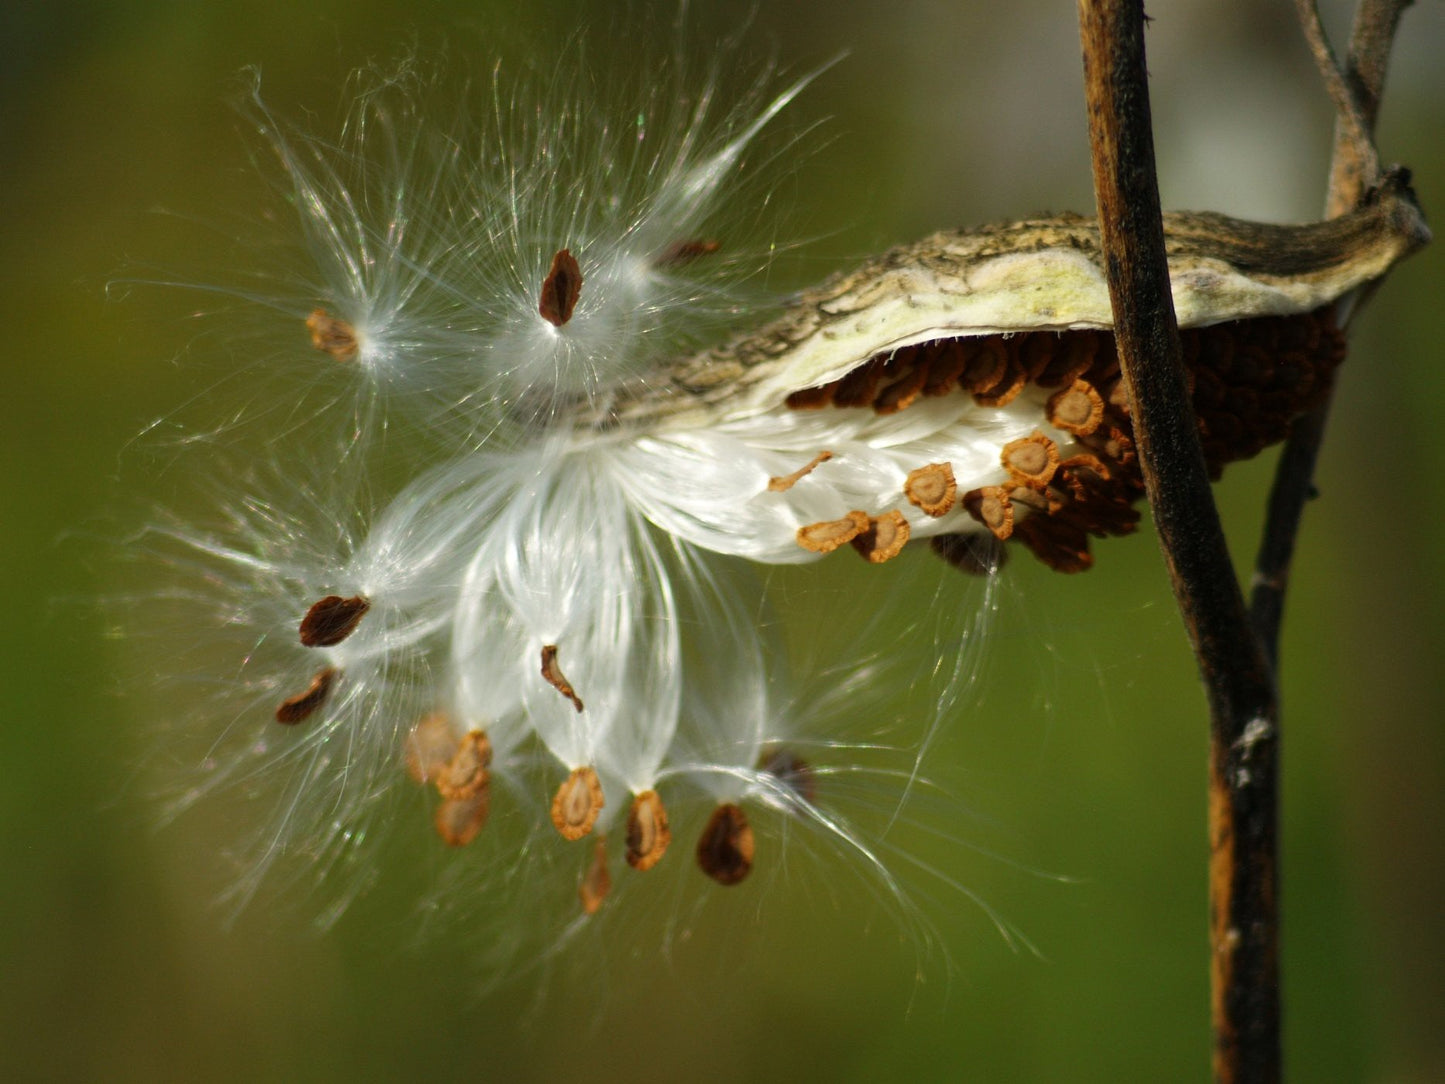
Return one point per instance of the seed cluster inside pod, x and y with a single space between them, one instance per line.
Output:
1250 379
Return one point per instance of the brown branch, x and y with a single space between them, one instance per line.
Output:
1237 678
1354 169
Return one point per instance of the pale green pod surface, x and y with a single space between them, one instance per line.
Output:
1040 275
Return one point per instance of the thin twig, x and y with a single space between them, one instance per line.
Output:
1238 680
1354 168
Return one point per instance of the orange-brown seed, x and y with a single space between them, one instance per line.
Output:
792 771
1032 459
577 803
1078 409
458 820
885 537
552 672
991 507
333 335
466 772
429 747
647 831
828 535
785 482
932 488
596 883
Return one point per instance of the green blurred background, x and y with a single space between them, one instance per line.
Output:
1084 755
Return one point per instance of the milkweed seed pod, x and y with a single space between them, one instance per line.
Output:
540 617
1007 331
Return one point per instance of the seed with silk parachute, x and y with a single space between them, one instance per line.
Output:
532 623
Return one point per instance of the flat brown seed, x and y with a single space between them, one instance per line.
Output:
725 851
647 832
555 678
885 537
785 482
680 253
596 883
1032 459
561 289
991 507
466 772
1078 409
429 746
828 535
302 705
458 820
577 803
932 488
332 620
333 335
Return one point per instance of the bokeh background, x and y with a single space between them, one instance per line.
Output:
1083 752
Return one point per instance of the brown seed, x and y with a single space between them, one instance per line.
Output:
828 535
302 705
973 552
332 620
458 820
725 851
1078 409
785 482
792 771
885 537
991 507
900 394
811 398
596 881
555 678
680 253
987 364
1006 389
333 335
561 289
466 772
1032 459
932 488
429 746
647 832
577 803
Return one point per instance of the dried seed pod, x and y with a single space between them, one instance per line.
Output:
332 620
301 706
931 489
647 832
577 803
884 539
1037 275
725 851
